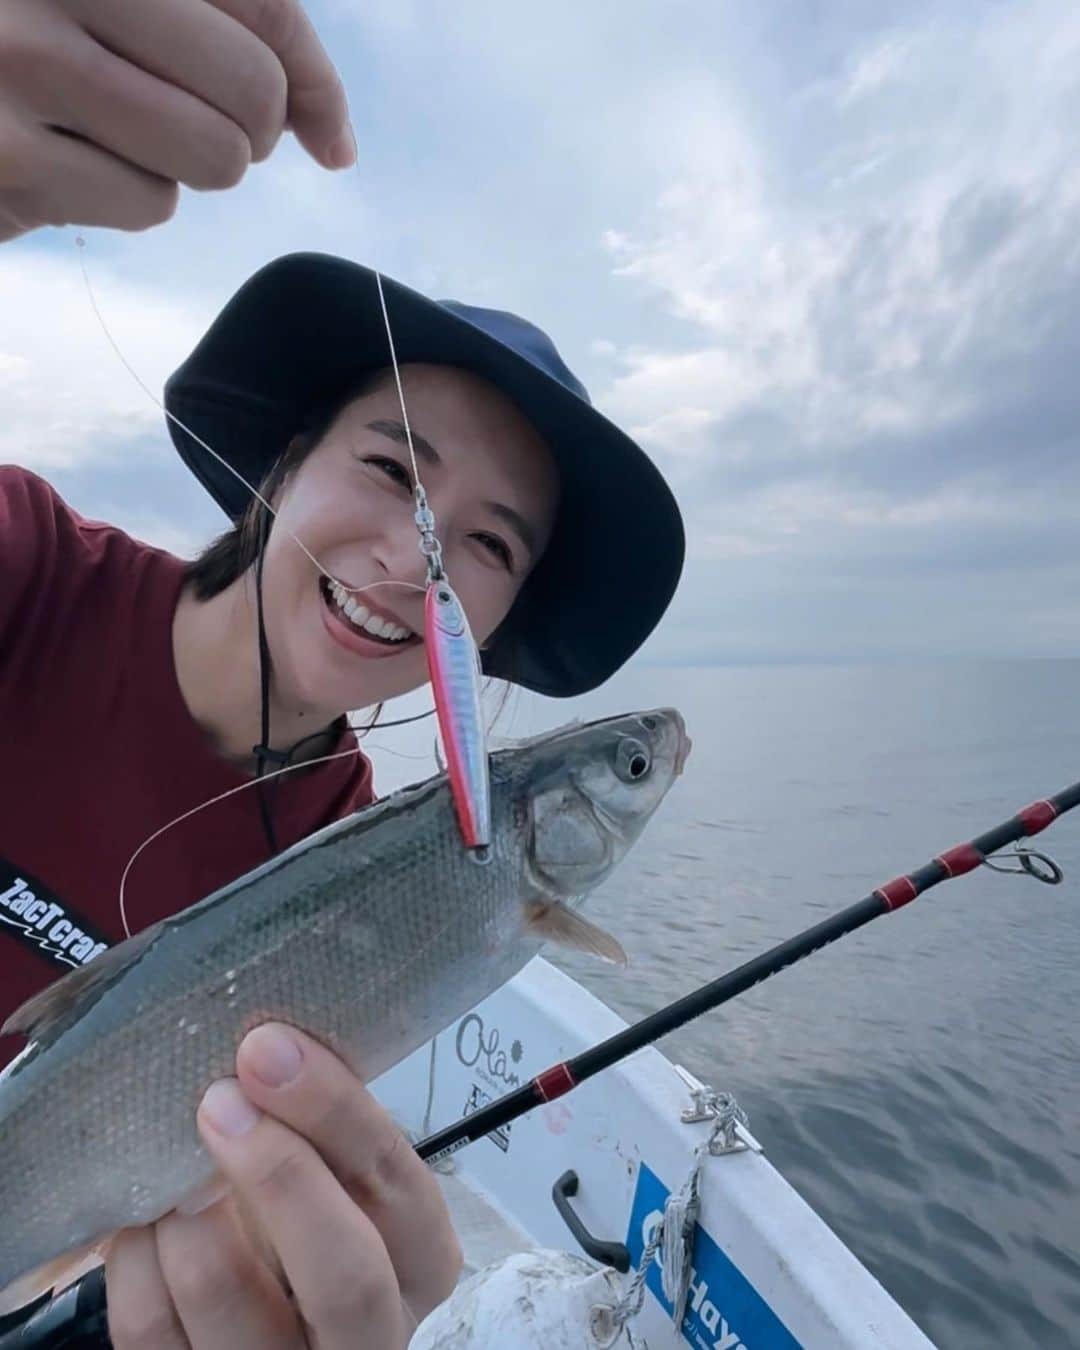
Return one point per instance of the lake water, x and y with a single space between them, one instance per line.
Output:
918 1081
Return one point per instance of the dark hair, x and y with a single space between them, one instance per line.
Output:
232 553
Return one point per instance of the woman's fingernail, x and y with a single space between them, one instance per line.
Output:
272 1055
343 152
227 1109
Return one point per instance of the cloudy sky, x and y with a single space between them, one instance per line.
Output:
822 259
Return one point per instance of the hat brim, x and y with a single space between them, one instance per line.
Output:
308 326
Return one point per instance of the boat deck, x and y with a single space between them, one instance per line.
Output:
485 1233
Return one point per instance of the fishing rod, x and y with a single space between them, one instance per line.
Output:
76 1318
954 862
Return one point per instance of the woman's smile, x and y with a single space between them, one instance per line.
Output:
360 624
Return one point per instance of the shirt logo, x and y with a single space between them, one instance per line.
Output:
43 922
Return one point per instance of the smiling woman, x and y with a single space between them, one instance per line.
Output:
136 686
179 680
348 632
530 485
184 674
294 616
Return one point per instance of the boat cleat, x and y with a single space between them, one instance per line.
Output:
731 1133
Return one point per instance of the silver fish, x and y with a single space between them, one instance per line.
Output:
373 934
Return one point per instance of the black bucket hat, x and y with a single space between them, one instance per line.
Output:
307 327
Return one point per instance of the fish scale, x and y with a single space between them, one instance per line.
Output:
373 934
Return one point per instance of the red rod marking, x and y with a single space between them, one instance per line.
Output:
1037 816
963 858
554 1082
899 891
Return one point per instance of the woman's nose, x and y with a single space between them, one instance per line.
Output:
397 554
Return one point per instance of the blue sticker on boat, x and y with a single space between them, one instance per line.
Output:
723 1309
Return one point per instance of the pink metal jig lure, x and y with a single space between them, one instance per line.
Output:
453 662
454 667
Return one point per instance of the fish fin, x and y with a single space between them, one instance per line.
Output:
56 1274
552 921
503 742
34 1017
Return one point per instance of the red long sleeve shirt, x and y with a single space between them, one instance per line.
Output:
98 749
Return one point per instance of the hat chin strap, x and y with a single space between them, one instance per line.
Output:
262 752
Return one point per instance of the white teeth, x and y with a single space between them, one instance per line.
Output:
361 617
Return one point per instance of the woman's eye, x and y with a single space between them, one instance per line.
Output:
392 469
497 548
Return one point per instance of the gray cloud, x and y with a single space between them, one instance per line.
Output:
822 260
874 389
147 493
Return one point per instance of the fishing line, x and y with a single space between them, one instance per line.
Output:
454 663
229 792
81 245
254 783
261 777
397 382
400 754
429 546
398 722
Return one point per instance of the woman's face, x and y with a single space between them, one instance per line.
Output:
493 487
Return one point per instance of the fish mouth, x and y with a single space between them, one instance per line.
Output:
682 754
672 719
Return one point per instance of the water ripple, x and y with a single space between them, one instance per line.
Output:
917 1083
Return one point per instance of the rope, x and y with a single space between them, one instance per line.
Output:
677 1237
608 1323
673 1236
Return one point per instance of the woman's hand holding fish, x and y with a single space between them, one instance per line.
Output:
106 106
356 1221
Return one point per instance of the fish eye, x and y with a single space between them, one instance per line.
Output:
632 760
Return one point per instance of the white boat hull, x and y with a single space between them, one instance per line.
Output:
768 1273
